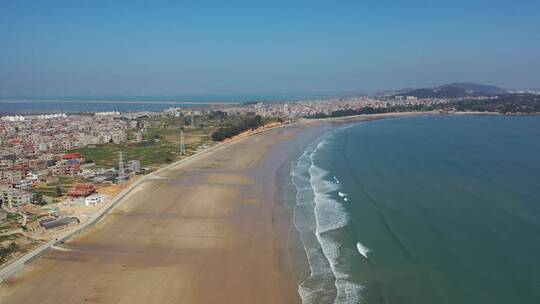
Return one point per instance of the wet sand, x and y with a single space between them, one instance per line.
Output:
211 230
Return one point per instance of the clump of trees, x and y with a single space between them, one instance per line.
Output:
58 191
351 112
5 252
38 199
217 115
250 122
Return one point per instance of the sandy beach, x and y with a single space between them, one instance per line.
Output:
211 230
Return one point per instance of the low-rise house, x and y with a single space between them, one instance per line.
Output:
133 165
81 191
57 224
93 200
6 163
41 146
105 138
51 179
138 136
74 157
14 198
3 215
119 137
12 175
24 184
69 164
47 156
88 170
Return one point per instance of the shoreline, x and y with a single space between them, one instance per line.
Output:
19 263
262 168
12 267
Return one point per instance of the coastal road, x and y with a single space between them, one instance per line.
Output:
206 231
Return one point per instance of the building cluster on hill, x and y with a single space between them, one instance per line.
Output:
309 108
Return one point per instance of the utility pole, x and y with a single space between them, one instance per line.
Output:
121 172
182 143
192 121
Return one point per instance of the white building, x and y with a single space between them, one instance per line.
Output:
119 137
139 136
93 200
25 183
15 197
133 165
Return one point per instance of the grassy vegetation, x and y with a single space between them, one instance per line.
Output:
14 216
5 252
59 188
148 152
161 142
9 237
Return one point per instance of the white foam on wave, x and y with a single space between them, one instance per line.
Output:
329 213
336 179
363 250
329 216
346 199
319 283
342 194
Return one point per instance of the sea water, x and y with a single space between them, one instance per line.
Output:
442 209
10 106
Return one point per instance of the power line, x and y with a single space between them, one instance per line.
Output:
182 143
121 171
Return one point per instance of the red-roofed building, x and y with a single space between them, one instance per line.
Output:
73 156
14 141
81 191
69 164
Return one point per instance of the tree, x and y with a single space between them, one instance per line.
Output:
38 199
58 191
249 122
5 252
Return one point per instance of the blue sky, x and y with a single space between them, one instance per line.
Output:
90 48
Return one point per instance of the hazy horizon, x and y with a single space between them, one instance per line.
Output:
69 49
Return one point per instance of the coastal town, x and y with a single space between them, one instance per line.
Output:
57 169
48 183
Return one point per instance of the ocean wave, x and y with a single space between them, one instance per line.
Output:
319 286
317 215
344 196
363 250
330 215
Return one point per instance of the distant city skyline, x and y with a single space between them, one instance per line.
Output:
132 48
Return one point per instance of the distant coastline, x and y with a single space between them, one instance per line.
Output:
117 101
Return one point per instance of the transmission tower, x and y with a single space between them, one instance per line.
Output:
121 172
182 143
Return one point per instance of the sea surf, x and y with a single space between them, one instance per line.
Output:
415 210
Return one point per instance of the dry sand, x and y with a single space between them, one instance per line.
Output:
211 230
